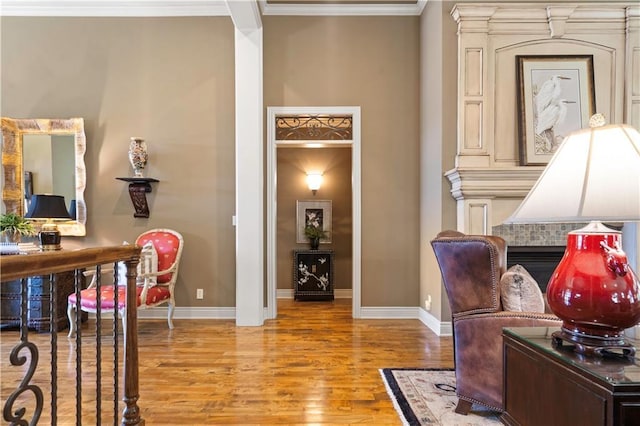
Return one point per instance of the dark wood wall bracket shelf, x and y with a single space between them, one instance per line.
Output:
138 188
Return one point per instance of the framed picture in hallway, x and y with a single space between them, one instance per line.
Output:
316 213
556 96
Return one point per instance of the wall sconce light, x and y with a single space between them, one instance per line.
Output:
314 180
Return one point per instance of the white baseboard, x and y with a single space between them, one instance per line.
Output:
389 312
441 328
188 313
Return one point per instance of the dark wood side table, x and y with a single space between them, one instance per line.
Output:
313 274
38 300
557 387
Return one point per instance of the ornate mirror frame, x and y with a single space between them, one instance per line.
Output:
13 131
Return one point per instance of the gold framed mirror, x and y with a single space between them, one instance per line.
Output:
46 144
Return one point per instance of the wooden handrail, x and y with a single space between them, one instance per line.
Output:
15 267
51 262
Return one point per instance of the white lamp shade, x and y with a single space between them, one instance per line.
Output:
594 176
314 180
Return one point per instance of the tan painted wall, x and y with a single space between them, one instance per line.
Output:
335 164
170 81
167 80
371 62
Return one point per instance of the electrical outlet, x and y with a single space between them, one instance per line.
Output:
199 293
427 303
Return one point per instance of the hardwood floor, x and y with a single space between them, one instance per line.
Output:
314 364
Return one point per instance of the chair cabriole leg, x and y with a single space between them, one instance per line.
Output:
170 315
71 314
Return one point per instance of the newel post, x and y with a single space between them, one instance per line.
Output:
131 413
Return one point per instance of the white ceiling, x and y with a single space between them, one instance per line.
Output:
206 7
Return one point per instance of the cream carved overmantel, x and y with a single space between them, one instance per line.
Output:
488 181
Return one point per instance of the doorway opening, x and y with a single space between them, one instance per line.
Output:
333 128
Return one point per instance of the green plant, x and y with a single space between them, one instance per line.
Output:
314 232
15 224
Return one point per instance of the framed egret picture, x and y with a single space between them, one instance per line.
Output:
556 96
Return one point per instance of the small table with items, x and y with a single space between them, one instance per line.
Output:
38 301
38 295
313 274
549 384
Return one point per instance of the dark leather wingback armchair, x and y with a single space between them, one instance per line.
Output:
471 267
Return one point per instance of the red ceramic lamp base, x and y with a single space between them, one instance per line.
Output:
595 292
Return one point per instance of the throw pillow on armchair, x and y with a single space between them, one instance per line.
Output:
148 265
519 291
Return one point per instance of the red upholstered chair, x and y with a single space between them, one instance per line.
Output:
154 288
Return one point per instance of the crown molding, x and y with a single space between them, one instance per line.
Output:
113 8
195 8
509 13
343 9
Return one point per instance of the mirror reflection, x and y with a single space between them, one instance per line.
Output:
49 167
45 156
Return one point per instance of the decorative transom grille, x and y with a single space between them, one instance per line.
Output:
314 127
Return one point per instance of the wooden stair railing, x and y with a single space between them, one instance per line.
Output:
20 267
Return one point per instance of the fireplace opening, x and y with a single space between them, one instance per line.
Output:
540 261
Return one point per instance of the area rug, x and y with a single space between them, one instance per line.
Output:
428 397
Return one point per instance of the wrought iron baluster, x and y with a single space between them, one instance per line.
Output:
98 345
116 322
53 328
78 352
16 415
